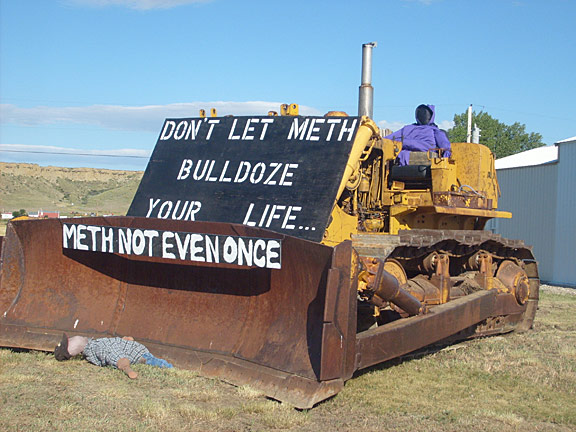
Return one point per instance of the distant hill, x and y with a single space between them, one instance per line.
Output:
67 190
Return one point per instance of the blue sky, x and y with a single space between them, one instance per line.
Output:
90 82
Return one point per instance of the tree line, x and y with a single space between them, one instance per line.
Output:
502 139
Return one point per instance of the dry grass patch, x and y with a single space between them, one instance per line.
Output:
84 190
505 383
281 416
248 392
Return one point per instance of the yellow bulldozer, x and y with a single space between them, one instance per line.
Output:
284 252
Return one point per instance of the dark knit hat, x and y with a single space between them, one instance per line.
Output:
61 350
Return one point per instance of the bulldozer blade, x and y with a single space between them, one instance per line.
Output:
244 304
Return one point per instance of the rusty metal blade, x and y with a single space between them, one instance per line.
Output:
289 332
266 327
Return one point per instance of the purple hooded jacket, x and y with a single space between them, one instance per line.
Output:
421 136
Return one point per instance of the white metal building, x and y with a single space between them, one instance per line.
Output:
539 188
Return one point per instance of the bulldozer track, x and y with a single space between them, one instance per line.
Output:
458 243
414 245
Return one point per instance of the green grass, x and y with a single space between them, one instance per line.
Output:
516 382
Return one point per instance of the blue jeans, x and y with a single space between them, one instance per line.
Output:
154 361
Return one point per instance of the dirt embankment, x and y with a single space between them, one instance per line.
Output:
53 173
68 190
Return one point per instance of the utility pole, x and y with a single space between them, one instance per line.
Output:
469 134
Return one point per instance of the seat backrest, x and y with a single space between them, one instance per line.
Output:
413 176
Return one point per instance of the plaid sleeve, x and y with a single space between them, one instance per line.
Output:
93 352
107 351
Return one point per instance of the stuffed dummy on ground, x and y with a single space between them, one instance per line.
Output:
421 136
117 352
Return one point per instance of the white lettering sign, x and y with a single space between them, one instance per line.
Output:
209 248
243 129
268 173
309 129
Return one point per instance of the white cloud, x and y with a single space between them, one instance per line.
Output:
136 118
446 124
424 2
137 4
393 126
25 148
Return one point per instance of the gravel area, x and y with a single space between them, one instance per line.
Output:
558 290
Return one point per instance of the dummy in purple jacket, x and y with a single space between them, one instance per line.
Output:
421 136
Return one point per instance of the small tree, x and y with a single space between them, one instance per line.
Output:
18 213
502 139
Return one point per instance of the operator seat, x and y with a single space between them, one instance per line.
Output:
416 175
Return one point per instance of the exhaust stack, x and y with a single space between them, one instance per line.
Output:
366 97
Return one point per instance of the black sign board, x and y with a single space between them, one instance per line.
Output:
279 173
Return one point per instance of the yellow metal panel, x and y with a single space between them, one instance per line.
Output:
365 132
475 169
443 174
390 149
342 226
289 109
472 212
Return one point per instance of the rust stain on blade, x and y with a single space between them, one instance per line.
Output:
241 323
